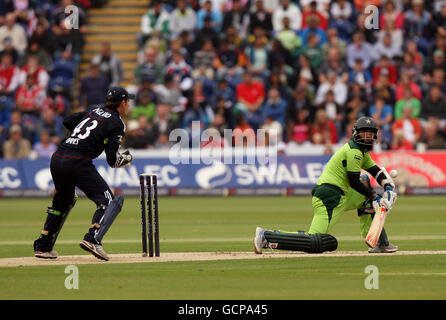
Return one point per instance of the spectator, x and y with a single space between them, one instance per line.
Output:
109 65
16 147
434 105
215 16
207 32
257 58
360 76
417 25
9 49
26 124
396 35
323 131
412 69
93 87
40 75
237 18
334 84
332 109
400 143
139 134
288 37
66 38
299 128
431 137
382 113
165 120
260 17
180 71
250 94
9 81
182 19
275 107
43 37
62 75
313 29
204 60
151 68
359 49
438 79
144 107
408 100
407 83
12 30
312 13
333 63
335 42
438 61
34 49
243 135
156 19
290 10
170 93
385 46
52 123
30 97
440 21
409 125
391 13
273 131
45 147
312 51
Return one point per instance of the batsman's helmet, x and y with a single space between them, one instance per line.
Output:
365 124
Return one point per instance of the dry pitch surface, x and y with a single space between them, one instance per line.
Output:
191 256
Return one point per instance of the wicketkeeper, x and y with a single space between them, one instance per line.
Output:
96 130
340 188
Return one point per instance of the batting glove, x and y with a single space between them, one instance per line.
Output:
390 195
382 202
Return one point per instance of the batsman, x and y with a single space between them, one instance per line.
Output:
98 129
340 188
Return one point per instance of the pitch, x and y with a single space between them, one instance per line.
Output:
206 253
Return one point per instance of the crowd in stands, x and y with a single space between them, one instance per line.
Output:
39 58
303 70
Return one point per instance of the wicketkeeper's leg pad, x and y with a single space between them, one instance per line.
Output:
311 243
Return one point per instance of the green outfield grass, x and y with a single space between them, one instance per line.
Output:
226 225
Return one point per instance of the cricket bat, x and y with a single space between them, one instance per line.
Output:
378 221
376 227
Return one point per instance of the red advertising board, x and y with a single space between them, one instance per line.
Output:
415 169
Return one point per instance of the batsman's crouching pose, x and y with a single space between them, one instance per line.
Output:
96 130
340 188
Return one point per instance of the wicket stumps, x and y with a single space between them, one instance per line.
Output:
149 224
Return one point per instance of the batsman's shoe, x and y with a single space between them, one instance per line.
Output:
384 249
94 249
259 240
46 255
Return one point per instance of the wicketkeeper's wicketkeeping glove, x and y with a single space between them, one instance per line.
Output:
124 159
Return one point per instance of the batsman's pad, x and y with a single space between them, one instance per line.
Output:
64 218
109 216
311 243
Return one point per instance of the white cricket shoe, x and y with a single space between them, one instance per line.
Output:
46 255
260 241
94 249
